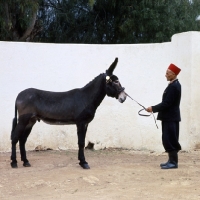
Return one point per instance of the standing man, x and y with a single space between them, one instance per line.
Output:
169 114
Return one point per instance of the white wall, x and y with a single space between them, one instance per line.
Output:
141 70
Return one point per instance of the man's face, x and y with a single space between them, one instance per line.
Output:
170 75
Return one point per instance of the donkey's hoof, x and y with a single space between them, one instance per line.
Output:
85 166
27 164
13 165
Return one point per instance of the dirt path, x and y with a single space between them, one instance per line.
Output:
114 174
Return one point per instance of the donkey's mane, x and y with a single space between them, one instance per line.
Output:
92 81
95 88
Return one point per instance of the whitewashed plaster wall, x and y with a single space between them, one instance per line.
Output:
141 70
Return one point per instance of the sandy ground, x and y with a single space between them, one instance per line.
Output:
114 174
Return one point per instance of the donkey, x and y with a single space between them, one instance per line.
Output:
77 106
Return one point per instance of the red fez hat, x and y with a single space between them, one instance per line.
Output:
174 68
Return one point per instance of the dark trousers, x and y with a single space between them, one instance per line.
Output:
170 136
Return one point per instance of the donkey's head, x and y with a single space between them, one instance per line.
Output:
113 86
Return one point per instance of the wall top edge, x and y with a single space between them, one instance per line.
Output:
78 44
185 34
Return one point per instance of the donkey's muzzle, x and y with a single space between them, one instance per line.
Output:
122 96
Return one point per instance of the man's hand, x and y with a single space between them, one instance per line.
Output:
149 109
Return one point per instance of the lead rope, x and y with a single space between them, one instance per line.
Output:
142 110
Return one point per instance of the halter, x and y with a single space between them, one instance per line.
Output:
109 80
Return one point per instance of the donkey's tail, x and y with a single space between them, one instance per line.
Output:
14 124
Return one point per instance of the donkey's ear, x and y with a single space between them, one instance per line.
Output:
110 70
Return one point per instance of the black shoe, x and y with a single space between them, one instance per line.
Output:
163 164
170 165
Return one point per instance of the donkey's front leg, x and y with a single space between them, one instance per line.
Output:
81 131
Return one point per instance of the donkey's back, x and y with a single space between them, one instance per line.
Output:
52 106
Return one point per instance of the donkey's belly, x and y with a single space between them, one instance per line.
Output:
57 122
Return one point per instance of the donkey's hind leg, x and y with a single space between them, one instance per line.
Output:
22 142
19 130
